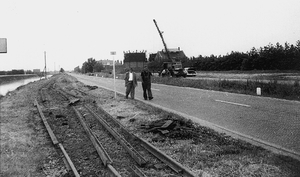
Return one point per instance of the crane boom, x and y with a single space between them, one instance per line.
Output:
162 38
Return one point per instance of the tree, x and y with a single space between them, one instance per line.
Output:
247 64
155 65
234 61
88 66
61 70
77 69
17 71
29 72
98 67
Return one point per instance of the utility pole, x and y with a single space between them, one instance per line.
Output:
45 65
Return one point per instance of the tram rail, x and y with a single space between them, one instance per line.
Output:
128 140
55 141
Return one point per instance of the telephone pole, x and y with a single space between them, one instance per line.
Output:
45 65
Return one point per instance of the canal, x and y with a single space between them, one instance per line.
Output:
5 88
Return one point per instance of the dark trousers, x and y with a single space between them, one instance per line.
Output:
147 90
130 89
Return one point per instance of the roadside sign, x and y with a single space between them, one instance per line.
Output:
114 72
3 45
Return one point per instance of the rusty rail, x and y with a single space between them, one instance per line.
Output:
174 165
177 167
132 152
55 141
43 94
50 132
99 148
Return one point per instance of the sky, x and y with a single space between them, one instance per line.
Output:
71 31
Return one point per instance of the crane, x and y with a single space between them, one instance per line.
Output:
162 38
175 65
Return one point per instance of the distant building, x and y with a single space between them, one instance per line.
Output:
135 59
36 70
175 54
109 62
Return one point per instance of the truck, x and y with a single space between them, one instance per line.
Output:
171 67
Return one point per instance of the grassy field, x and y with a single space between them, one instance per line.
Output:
271 89
283 84
291 76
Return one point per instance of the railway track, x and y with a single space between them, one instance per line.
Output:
70 117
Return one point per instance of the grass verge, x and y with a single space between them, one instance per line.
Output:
268 89
271 89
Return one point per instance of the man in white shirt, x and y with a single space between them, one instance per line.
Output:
130 76
130 83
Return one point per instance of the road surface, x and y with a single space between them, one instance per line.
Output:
273 122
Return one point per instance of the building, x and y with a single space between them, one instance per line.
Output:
36 71
135 60
109 62
175 54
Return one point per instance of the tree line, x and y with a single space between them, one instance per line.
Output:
90 66
15 72
270 57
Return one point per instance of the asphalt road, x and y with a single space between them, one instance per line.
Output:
274 122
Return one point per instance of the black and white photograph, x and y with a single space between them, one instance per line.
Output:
155 88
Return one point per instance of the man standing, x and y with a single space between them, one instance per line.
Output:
146 83
130 83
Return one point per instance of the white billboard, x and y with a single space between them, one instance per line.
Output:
3 45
